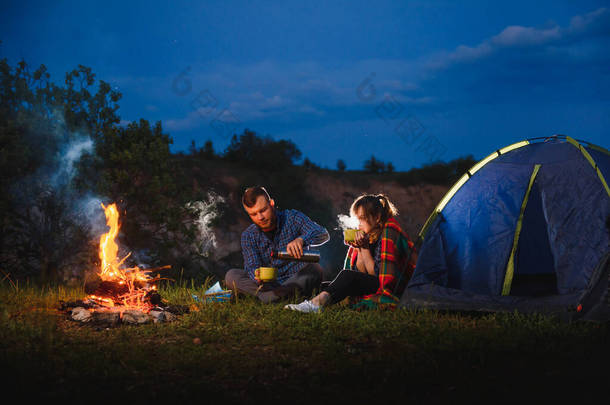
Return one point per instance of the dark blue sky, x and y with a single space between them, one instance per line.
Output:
407 81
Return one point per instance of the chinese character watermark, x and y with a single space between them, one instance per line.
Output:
404 124
223 121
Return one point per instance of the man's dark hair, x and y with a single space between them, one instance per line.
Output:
251 195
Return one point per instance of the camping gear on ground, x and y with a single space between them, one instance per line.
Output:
214 294
524 229
266 274
312 256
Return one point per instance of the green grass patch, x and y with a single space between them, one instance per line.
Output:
247 352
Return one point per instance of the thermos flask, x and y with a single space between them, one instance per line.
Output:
312 256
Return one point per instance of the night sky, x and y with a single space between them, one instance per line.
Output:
409 81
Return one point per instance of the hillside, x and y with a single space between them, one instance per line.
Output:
335 191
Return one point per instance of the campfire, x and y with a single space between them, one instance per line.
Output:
120 293
129 288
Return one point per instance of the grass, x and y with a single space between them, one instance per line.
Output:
250 352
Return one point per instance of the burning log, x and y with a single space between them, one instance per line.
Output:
154 298
109 289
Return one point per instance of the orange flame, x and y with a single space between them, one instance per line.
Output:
134 278
108 247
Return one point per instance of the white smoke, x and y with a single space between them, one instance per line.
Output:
60 219
69 156
347 222
204 213
85 208
89 209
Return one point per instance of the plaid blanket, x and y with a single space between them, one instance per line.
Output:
394 265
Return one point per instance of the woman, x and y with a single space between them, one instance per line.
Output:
379 263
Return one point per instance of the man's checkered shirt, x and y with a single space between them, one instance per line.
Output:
291 224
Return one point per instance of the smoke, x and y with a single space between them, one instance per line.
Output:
84 208
69 155
204 214
89 209
347 222
52 225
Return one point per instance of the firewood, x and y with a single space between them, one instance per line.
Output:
154 298
64 306
110 289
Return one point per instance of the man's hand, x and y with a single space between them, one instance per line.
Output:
257 277
295 248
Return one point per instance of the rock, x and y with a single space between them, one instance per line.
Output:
107 318
135 317
81 314
157 316
162 316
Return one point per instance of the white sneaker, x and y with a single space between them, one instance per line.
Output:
305 306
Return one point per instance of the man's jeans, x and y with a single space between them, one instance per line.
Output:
304 282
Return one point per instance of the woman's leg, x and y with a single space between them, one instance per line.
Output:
351 283
347 282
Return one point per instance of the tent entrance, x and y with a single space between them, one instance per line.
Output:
534 268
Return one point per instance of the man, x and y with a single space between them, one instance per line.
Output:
274 230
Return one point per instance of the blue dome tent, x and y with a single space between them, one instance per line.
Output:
524 229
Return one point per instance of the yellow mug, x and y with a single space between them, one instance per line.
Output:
266 273
349 235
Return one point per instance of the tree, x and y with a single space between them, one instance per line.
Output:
389 167
208 150
37 120
94 112
192 148
265 152
439 172
308 164
136 167
374 165
341 166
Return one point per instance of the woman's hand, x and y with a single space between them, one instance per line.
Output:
365 262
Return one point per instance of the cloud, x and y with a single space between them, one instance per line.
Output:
194 119
513 65
276 90
595 22
517 37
